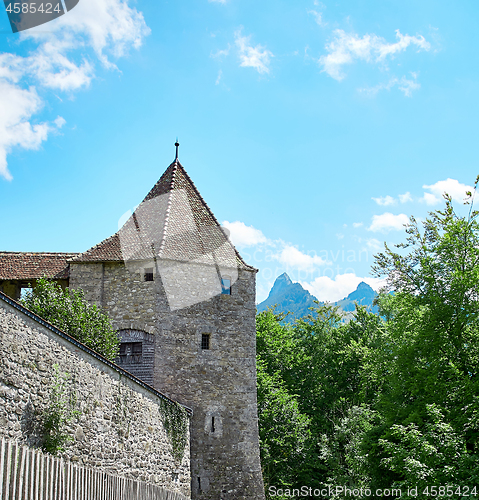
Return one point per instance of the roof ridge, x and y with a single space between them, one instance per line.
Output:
168 207
213 215
199 194
4 252
78 257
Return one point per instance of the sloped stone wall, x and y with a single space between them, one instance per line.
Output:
119 429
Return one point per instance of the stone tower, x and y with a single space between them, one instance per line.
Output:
183 301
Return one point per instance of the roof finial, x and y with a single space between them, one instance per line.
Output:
177 144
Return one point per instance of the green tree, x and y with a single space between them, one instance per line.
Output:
285 437
284 432
69 311
428 403
314 371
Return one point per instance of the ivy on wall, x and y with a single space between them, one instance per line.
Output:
122 411
176 422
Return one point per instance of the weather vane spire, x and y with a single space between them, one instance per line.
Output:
177 145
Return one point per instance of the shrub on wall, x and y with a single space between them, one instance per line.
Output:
59 412
69 311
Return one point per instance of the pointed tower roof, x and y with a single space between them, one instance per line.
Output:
172 222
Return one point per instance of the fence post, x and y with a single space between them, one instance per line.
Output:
3 452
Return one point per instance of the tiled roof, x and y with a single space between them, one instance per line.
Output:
172 222
29 265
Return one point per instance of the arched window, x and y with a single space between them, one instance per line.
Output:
137 353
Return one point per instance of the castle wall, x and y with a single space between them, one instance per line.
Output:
219 383
11 288
119 429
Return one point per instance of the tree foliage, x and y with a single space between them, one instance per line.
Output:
69 311
309 392
392 400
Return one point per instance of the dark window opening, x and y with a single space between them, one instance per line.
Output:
199 484
130 352
149 274
212 424
205 340
225 286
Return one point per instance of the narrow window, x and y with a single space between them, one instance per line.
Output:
225 286
149 274
212 424
199 484
205 340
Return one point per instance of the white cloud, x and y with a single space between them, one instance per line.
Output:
389 200
332 290
374 244
242 235
17 106
254 57
385 200
218 79
318 17
61 60
453 187
108 26
346 48
53 69
406 86
404 198
221 53
357 224
286 254
430 199
291 257
387 222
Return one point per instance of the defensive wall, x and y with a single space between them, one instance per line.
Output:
119 427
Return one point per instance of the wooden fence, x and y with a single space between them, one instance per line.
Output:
28 474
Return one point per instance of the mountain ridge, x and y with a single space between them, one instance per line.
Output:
289 297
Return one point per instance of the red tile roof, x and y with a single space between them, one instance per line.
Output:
172 222
30 266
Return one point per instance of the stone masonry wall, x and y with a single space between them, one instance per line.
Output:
219 384
119 429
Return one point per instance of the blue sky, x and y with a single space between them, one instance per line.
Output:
313 130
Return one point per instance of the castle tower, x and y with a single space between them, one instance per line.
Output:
183 301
